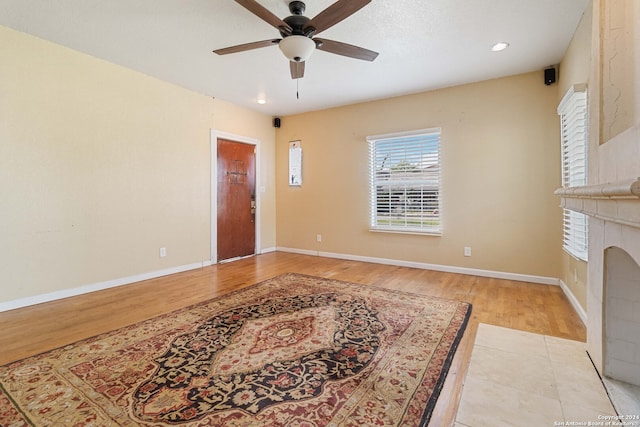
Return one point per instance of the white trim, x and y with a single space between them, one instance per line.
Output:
436 267
416 232
298 251
580 87
215 134
268 250
574 117
404 134
66 293
574 302
418 147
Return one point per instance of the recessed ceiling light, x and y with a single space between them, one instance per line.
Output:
499 46
262 101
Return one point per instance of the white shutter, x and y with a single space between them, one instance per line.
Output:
404 182
573 123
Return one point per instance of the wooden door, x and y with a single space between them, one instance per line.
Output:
236 200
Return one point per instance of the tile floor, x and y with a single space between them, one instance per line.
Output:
625 396
523 379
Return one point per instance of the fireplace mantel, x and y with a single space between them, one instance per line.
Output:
617 202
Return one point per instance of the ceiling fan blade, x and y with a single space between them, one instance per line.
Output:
246 46
264 14
345 49
335 13
297 69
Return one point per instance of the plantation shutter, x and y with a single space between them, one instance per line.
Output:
404 184
573 124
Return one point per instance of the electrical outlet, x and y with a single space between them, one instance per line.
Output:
163 252
467 251
318 238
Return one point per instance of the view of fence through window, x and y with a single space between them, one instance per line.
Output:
405 182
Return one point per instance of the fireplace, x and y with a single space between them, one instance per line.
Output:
613 306
621 317
613 283
612 199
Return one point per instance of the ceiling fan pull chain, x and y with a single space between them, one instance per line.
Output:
297 88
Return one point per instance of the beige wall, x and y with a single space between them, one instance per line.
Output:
575 69
239 121
500 166
100 166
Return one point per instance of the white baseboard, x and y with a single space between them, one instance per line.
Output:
574 302
460 270
66 293
436 267
267 250
298 251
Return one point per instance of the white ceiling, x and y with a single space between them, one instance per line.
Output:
423 44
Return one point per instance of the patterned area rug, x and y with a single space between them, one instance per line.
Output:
294 350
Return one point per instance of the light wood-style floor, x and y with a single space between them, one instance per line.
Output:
541 309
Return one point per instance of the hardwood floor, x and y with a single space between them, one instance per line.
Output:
541 309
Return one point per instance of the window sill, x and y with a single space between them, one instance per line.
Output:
436 233
574 255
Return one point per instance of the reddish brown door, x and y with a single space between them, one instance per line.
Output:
236 200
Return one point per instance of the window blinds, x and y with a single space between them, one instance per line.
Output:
573 124
404 185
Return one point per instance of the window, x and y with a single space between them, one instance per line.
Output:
404 184
573 126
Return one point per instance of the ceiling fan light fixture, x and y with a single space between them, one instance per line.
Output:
297 48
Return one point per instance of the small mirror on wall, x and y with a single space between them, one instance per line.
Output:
295 164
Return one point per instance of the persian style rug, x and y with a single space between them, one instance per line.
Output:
294 350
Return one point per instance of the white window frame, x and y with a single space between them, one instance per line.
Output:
574 144
412 200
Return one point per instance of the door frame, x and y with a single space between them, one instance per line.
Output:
215 135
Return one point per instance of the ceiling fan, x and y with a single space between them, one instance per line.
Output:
298 33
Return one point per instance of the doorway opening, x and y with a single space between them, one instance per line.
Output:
234 199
